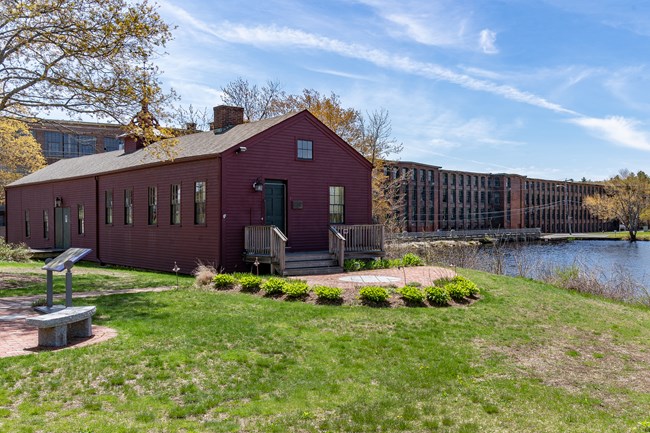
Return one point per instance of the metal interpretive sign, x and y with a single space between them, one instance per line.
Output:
65 260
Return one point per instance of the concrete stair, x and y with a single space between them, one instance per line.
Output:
311 263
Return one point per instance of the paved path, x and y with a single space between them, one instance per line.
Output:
16 338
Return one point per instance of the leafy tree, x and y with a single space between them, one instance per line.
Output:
20 153
83 56
345 122
626 199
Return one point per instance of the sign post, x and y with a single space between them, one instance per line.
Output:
65 260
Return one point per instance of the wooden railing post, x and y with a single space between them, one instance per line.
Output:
337 245
266 240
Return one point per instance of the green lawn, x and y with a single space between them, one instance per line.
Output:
18 279
640 235
526 358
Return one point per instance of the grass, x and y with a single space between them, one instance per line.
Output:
640 235
527 358
21 279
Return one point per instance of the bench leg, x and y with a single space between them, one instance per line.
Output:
53 337
83 328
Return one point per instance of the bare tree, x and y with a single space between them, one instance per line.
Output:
258 103
191 119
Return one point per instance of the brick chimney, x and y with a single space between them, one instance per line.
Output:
225 117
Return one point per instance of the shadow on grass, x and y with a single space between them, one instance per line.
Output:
129 307
320 301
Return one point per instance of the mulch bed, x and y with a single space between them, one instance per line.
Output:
424 275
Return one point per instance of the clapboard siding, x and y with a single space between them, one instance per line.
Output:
37 198
159 246
273 156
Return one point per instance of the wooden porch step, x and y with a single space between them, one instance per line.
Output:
310 263
297 272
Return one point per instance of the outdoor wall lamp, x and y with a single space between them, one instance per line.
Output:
58 202
241 149
258 186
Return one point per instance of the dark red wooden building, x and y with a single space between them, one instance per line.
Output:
244 192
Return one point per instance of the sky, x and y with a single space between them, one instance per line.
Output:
551 89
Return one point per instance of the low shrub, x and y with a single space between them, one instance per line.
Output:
223 281
274 286
250 283
14 252
411 259
457 290
352 265
295 289
328 293
437 295
374 294
411 294
471 287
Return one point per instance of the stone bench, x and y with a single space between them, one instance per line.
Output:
55 328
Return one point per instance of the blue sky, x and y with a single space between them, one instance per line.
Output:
549 89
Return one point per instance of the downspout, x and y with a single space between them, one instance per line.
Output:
97 217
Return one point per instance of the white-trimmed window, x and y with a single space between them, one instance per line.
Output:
153 206
199 202
175 205
337 205
305 149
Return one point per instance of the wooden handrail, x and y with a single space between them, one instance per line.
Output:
337 245
266 241
363 237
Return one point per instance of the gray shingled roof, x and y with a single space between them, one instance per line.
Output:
188 146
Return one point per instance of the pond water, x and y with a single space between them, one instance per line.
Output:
606 257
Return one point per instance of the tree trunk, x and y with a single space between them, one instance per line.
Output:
632 235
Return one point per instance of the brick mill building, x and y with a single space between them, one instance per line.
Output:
436 199
244 192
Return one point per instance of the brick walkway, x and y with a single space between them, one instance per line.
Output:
16 338
425 275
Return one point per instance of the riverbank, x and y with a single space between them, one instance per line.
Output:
596 236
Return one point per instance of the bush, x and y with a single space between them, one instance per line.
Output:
471 287
457 290
352 265
411 259
14 252
411 294
374 294
437 295
274 286
328 293
295 289
223 281
250 282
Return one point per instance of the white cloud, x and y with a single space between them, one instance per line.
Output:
436 23
487 41
616 129
274 37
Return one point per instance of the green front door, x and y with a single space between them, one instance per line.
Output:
62 227
275 204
